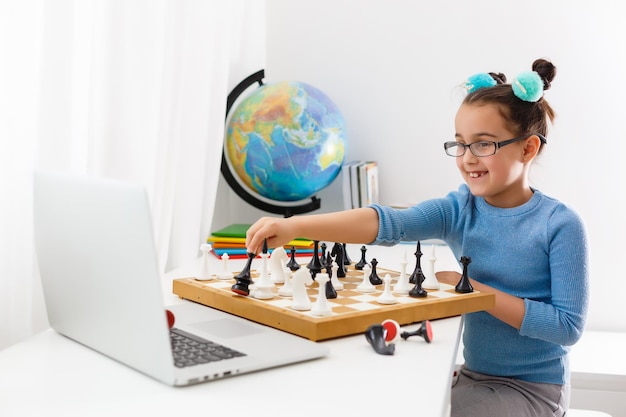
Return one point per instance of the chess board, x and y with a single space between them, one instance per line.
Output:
352 311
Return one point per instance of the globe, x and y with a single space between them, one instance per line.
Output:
285 141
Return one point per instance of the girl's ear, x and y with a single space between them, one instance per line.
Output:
531 148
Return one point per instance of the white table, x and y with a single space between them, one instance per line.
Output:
51 375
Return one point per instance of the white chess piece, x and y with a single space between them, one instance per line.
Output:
263 286
225 273
402 287
278 259
366 285
205 268
300 279
337 284
387 297
321 307
431 283
286 290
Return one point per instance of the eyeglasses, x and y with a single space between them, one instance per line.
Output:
483 147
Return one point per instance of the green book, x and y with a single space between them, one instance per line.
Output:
239 230
233 230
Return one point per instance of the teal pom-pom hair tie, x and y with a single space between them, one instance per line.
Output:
480 80
528 86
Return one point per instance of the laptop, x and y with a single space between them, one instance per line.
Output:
102 288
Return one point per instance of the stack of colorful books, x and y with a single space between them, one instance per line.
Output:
232 240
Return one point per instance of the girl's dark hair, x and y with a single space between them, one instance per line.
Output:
522 117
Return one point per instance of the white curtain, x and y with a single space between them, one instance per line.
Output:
129 89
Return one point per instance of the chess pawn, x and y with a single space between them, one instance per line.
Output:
431 283
366 285
225 274
374 278
402 287
293 265
362 262
337 284
387 297
205 270
321 307
264 285
425 331
464 285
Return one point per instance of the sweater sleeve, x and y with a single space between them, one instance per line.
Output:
430 219
562 319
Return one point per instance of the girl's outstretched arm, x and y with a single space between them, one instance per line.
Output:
349 226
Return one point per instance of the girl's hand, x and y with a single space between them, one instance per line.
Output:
277 232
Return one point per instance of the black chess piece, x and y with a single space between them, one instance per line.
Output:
244 278
425 331
330 290
464 286
374 278
375 335
362 262
293 265
339 255
315 265
329 260
323 255
346 258
418 274
316 246
418 291
418 277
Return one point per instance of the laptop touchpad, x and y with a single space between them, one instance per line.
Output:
227 328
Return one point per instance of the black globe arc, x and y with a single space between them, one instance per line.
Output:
285 210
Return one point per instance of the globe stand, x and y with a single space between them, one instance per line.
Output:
285 210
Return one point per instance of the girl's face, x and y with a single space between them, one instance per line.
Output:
501 179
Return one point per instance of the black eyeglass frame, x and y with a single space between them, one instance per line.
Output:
497 145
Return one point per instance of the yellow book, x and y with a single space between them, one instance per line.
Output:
299 243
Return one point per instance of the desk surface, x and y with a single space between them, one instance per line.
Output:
50 375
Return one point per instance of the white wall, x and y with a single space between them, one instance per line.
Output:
393 67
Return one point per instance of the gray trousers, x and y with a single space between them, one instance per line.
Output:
479 395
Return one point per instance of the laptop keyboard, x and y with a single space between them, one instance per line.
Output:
192 350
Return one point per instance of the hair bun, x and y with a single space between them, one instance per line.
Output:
546 70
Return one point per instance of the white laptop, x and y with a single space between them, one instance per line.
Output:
102 288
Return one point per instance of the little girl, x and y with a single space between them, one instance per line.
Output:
527 248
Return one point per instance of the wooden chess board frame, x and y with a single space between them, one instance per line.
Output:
352 311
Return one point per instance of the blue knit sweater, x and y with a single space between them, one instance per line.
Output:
537 251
